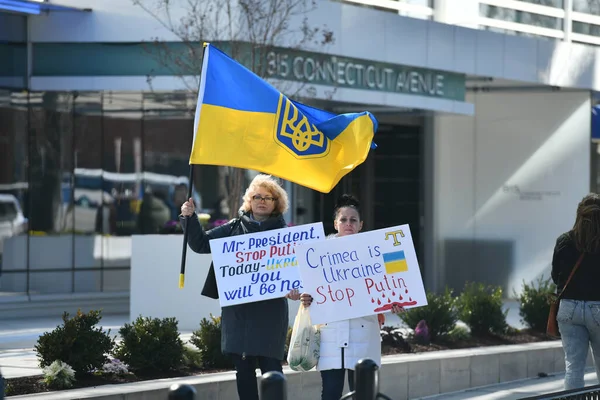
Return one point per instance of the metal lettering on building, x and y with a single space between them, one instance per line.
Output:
323 69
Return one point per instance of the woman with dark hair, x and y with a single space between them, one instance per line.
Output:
343 343
579 310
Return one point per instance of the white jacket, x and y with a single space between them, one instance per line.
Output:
354 338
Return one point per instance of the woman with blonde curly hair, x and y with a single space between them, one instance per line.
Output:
579 308
251 333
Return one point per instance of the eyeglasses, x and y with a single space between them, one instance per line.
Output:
258 198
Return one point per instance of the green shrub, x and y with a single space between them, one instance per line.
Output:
459 334
76 342
150 345
480 307
439 314
534 305
59 375
9 389
392 337
192 358
208 341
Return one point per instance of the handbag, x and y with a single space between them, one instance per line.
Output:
552 326
305 343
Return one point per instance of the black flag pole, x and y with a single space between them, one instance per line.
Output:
186 231
190 191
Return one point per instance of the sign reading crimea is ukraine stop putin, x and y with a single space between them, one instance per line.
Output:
359 275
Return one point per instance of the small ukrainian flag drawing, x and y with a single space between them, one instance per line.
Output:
395 262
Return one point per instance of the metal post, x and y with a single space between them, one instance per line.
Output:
366 379
182 392
273 386
366 382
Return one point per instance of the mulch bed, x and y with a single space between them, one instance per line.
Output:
34 384
520 337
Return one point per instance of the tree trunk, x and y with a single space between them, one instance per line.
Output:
235 187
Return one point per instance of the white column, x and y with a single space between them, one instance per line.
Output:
457 12
568 21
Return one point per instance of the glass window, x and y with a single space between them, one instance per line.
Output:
587 6
547 3
51 245
13 193
521 17
166 162
412 14
85 192
586 29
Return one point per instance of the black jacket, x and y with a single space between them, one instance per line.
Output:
584 285
253 329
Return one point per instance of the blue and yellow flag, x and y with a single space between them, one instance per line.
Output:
395 262
242 121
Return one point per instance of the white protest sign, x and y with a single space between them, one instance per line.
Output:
260 266
363 274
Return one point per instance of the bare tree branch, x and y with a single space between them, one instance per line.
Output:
251 28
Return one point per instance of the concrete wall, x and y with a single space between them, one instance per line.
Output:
507 183
155 266
65 252
399 40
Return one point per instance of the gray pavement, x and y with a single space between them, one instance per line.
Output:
18 337
516 389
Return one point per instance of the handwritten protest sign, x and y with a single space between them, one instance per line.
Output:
362 274
260 266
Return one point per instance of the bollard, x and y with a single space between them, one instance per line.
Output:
273 386
182 392
366 379
366 382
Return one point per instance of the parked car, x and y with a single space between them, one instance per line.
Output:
12 220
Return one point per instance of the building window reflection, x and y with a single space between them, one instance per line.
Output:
587 6
586 29
521 17
547 3
84 171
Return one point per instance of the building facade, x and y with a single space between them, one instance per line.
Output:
484 146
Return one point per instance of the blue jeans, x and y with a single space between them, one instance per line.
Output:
245 377
579 326
333 383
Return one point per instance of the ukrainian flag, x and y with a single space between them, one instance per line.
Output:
242 121
395 262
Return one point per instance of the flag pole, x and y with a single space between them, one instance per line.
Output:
186 231
189 196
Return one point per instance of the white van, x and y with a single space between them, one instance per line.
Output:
12 220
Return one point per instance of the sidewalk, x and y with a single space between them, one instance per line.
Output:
18 337
515 390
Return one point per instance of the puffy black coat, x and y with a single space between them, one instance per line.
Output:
252 329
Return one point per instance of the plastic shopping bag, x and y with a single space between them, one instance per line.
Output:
305 343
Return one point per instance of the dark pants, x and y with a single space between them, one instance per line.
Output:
245 376
333 383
